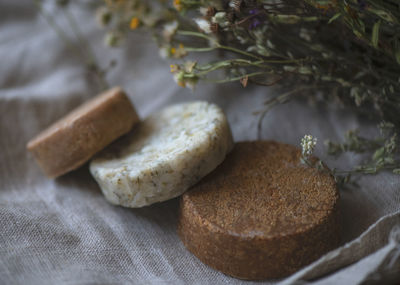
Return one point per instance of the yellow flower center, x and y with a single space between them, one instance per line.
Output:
134 23
177 4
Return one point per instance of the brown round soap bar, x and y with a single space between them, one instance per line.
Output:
75 138
261 214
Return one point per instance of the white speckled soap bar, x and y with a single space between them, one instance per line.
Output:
166 154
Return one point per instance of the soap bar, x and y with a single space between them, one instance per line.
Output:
75 138
164 155
261 214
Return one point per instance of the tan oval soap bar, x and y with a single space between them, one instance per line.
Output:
261 214
75 138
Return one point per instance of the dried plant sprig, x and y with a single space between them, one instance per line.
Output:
346 51
384 149
281 39
308 143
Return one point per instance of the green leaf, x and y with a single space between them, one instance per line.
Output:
291 19
385 15
396 171
375 34
388 160
336 16
370 170
361 26
378 153
358 34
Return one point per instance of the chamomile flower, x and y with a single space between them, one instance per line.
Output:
169 30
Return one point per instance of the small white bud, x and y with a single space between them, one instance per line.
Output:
220 19
169 30
203 25
203 11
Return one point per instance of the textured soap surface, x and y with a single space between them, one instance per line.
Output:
261 214
75 138
164 155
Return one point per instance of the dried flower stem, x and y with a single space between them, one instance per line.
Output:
280 99
83 49
345 51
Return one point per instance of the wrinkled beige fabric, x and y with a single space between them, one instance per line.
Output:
64 232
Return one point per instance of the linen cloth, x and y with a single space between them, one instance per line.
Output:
63 231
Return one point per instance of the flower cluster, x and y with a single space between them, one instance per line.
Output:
183 74
345 52
308 143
